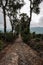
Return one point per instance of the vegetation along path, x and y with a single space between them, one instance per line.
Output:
20 53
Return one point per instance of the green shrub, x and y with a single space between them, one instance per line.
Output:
38 35
1 45
38 47
42 36
37 39
16 34
25 36
9 37
34 34
1 35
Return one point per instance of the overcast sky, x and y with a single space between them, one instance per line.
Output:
37 20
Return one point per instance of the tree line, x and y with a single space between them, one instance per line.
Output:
11 7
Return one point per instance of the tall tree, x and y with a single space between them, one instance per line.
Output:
34 7
24 27
13 6
3 4
24 21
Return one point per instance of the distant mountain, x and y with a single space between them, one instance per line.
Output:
2 30
38 30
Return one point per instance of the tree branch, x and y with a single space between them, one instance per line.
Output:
30 11
6 3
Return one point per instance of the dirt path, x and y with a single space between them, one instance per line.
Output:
24 55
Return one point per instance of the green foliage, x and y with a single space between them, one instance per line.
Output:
9 37
1 45
13 6
25 36
17 29
34 34
25 30
38 35
38 46
42 36
36 6
37 39
1 35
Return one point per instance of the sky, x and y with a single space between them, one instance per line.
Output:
37 20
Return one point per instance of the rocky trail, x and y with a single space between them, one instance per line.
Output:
20 53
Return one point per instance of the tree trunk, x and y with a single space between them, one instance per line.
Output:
11 23
12 30
4 14
30 13
30 19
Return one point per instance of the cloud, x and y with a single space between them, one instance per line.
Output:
2 21
1 18
25 8
8 23
37 20
41 21
41 8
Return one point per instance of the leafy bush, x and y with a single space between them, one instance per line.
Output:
42 36
37 39
38 35
38 47
1 35
25 36
34 34
1 45
9 37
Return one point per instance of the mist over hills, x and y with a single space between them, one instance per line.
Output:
38 30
